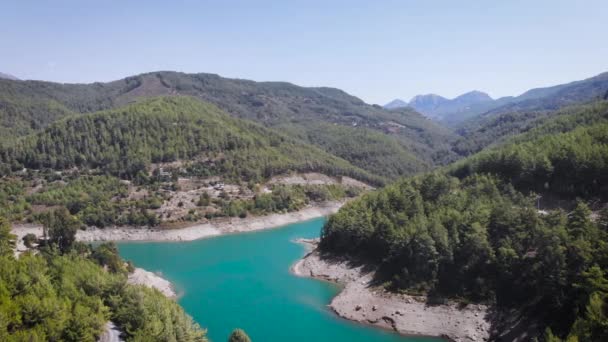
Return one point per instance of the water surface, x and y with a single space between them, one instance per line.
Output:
243 280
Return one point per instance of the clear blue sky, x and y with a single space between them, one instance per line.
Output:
376 50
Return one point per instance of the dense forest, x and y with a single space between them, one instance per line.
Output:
362 147
496 129
125 142
473 231
27 107
479 239
566 164
68 291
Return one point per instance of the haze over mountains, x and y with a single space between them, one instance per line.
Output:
453 112
391 141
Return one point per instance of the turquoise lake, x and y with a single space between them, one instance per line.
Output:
243 281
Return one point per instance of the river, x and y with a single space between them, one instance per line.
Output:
243 281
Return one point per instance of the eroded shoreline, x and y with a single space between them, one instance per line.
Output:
194 232
152 280
360 301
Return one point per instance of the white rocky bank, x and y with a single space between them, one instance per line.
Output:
361 302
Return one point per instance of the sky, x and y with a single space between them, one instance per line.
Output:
376 50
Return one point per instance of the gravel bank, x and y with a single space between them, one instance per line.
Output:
408 315
152 280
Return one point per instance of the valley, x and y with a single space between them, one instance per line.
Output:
272 171
462 234
465 232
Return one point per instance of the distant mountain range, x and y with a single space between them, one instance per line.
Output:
471 105
391 143
440 108
8 76
396 104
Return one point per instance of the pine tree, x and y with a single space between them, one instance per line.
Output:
7 239
62 228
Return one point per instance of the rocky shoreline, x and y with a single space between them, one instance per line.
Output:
362 302
152 280
194 232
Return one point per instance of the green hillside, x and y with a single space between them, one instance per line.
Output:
125 141
473 231
498 129
68 291
535 102
564 157
363 147
28 106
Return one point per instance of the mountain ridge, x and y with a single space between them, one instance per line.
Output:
438 107
170 129
28 106
8 76
475 105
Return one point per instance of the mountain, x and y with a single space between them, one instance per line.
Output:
125 141
472 98
451 110
476 108
514 115
427 104
8 76
551 98
396 103
28 106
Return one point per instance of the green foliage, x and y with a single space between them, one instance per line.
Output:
107 255
29 106
362 147
22 112
494 129
98 201
238 335
427 233
57 299
477 238
29 240
70 297
145 314
80 193
61 228
593 325
573 163
285 198
204 200
7 239
12 200
124 142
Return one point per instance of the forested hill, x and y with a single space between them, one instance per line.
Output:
125 141
473 231
67 291
519 114
27 106
503 127
554 97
